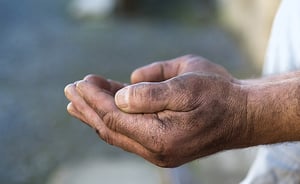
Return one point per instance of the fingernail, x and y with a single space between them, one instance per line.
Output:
66 89
122 97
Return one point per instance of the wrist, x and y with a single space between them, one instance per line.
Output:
242 131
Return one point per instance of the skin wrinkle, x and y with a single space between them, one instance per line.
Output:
172 138
110 121
127 146
157 94
175 91
132 93
134 130
185 95
157 145
150 131
107 138
165 123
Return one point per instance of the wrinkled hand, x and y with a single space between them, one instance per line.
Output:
184 115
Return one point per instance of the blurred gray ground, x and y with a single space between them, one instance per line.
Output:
42 49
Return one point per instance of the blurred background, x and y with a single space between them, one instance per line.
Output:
45 45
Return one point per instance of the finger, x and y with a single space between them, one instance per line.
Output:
72 110
113 138
93 122
125 143
92 94
75 113
107 84
154 96
143 97
156 72
78 106
138 127
70 91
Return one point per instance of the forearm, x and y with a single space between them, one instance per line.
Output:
273 109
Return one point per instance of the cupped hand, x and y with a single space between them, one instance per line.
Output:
182 116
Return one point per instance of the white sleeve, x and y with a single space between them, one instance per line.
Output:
283 53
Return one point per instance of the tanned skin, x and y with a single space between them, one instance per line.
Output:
179 110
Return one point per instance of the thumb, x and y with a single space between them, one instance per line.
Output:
145 97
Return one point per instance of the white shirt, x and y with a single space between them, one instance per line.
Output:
284 46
